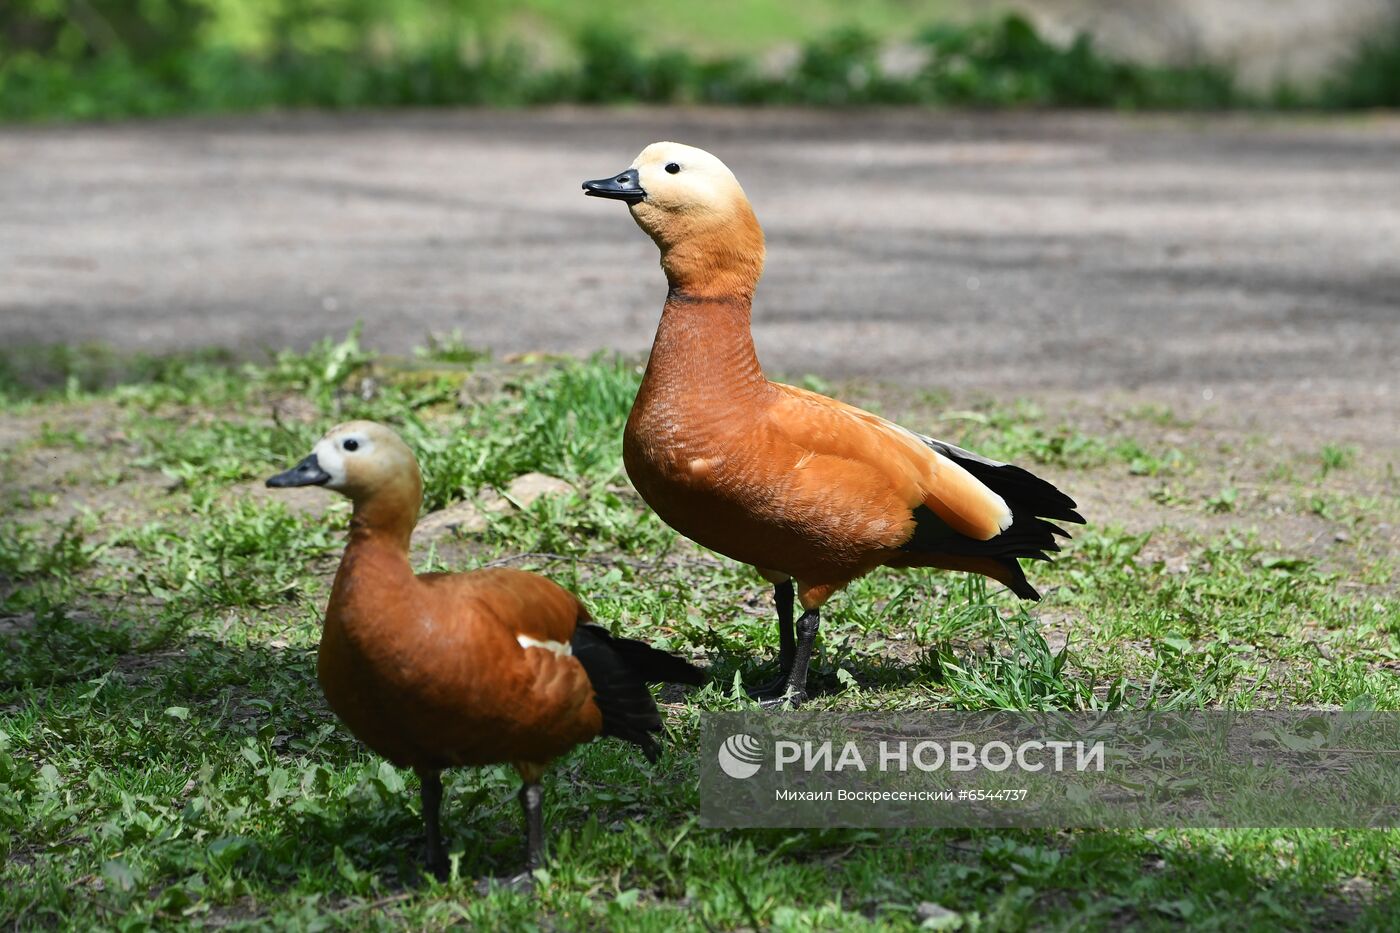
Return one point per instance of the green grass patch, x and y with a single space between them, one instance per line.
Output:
168 760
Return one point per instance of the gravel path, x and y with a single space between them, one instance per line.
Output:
1224 257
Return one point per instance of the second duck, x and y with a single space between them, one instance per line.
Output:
440 670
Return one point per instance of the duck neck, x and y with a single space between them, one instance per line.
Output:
385 520
704 343
711 256
704 347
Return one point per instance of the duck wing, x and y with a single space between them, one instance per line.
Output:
965 511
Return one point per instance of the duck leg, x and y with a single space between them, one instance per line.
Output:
532 802
787 643
796 692
431 782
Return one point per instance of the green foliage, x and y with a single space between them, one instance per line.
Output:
451 348
1336 457
1008 63
35 569
114 58
841 69
1371 75
612 67
1018 670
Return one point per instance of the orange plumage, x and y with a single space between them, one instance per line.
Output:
810 491
438 670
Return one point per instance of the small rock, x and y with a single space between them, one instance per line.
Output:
1358 887
456 518
933 916
527 489
489 500
1341 537
19 623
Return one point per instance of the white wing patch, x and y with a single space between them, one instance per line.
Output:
557 647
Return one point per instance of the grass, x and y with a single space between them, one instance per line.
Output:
168 759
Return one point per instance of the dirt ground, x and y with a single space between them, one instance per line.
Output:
1240 266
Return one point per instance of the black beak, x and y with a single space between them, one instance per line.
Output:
306 473
625 187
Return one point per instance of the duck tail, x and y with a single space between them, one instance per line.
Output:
1019 487
620 670
1035 507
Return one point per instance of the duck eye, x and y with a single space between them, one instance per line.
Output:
672 167
351 445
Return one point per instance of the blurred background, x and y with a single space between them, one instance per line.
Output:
109 58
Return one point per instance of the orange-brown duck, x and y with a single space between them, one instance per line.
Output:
809 491
439 670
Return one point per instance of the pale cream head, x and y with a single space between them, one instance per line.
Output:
371 466
363 457
359 459
680 179
691 204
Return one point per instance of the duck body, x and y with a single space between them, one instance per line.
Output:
709 449
805 487
810 491
430 671
441 670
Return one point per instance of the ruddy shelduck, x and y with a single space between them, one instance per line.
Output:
438 670
811 492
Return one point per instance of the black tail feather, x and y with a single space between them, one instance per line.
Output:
620 670
1014 484
1035 506
1022 486
657 666
1018 583
1026 536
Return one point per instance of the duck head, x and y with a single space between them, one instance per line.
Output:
371 466
691 204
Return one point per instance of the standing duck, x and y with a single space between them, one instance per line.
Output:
809 491
438 670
